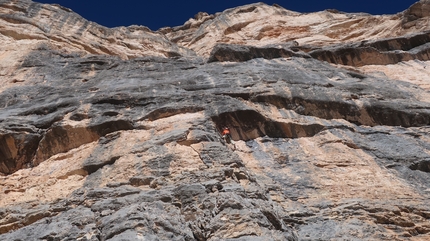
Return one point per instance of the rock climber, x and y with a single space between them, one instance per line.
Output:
226 134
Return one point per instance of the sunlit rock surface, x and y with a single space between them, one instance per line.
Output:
113 134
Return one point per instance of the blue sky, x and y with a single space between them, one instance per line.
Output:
160 13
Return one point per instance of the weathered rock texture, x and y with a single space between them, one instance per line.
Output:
113 134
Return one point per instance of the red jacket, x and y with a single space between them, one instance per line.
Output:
226 132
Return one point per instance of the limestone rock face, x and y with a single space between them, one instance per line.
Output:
418 12
260 24
114 134
31 25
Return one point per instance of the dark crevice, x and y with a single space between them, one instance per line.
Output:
60 139
123 100
321 109
379 113
249 124
242 53
17 151
110 113
98 62
113 101
93 168
359 56
356 75
384 115
401 43
423 166
273 220
383 52
111 126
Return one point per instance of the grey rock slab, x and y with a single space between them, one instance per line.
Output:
72 224
157 219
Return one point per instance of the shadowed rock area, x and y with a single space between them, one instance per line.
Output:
114 134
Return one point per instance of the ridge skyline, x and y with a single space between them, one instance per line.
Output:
110 14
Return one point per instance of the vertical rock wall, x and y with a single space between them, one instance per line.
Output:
104 138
